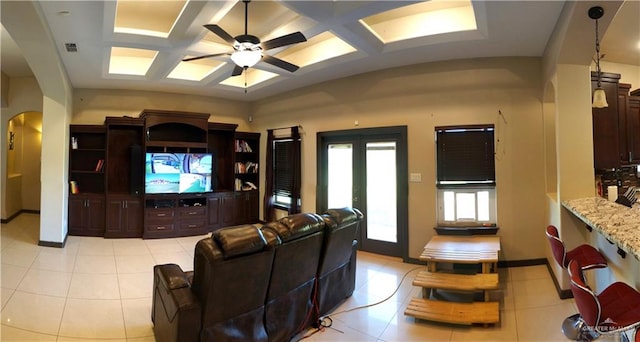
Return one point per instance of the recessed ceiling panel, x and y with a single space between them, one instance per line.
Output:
195 70
423 19
264 18
149 18
128 61
317 49
251 77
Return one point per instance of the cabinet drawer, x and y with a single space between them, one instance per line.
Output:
159 227
159 213
192 224
192 212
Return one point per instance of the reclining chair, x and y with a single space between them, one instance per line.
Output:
337 271
288 306
223 299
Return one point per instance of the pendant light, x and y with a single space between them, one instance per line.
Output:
599 96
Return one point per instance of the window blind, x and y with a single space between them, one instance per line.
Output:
283 175
465 155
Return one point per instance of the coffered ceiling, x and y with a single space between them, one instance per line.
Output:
141 44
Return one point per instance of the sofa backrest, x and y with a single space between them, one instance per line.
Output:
337 269
231 278
341 229
288 302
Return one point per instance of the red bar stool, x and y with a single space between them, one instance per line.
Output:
589 258
616 310
586 255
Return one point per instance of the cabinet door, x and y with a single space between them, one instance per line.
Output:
240 207
77 215
213 206
633 129
133 218
253 206
227 210
96 214
606 137
115 218
124 218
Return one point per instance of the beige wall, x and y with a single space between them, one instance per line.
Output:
24 96
91 106
31 147
422 97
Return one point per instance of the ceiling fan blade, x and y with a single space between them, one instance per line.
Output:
221 33
291 38
206 56
280 63
237 70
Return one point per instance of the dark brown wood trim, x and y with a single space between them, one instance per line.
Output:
53 244
26 211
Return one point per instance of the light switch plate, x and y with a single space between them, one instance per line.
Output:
415 177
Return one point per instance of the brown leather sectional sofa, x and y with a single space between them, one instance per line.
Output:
265 283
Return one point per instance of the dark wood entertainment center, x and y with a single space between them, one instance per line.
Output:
107 169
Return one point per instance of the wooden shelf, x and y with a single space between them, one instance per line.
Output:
171 144
453 312
461 282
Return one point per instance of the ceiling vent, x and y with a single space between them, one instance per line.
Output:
71 47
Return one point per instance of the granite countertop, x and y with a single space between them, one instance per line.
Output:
617 223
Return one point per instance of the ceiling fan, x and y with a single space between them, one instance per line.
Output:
248 50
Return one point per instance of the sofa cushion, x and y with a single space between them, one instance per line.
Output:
239 240
344 216
295 226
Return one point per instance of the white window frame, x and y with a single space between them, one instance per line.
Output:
467 222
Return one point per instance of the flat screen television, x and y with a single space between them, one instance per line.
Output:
177 173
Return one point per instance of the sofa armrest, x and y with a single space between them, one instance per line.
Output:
176 311
172 276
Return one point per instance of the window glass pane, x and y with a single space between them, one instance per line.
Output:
340 166
465 206
483 206
449 204
381 191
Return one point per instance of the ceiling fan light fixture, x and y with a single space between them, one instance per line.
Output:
246 58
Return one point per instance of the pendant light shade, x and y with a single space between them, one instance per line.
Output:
599 96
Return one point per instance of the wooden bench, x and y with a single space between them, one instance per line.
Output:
453 312
461 282
458 250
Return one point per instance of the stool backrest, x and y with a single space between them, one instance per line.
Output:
586 301
557 246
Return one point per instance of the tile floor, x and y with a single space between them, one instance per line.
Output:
99 289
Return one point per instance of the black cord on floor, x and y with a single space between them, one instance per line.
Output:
327 321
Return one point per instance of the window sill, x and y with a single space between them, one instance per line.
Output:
477 230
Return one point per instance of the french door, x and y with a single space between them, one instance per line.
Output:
367 169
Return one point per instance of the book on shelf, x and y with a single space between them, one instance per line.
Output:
99 165
248 167
243 146
251 167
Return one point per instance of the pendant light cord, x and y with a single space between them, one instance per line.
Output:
598 54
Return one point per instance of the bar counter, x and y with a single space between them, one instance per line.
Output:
617 223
